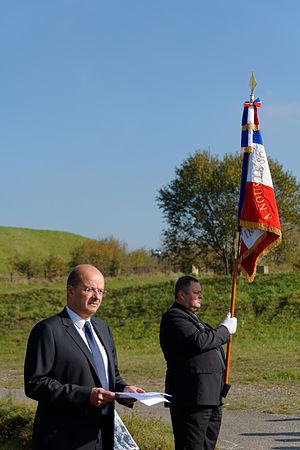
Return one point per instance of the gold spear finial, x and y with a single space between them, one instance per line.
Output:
252 85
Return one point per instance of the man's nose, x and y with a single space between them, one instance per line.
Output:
96 294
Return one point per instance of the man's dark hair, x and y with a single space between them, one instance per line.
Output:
183 284
74 278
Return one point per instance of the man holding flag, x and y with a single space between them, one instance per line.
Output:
195 368
192 349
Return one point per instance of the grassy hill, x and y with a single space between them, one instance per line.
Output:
37 244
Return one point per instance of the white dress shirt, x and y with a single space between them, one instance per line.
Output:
79 325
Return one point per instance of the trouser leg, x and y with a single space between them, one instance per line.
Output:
106 434
213 428
195 427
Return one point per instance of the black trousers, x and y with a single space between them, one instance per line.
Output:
106 435
196 427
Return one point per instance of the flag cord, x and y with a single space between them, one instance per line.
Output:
235 270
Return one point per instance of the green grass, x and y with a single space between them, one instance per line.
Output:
262 349
36 244
148 433
16 422
264 370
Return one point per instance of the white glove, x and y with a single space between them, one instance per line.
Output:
230 323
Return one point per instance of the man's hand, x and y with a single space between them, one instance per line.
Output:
135 389
100 397
230 323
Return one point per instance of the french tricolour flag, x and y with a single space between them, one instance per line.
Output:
258 215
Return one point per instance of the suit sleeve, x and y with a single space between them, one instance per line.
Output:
40 383
183 332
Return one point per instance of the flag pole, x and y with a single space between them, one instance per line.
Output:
233 291
226 388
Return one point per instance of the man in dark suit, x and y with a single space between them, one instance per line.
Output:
71 369
195 368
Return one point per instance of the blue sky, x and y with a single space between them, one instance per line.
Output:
100 101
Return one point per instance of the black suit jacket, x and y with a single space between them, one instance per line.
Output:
194 356
59 373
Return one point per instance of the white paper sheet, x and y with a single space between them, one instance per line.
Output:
122 438
148 398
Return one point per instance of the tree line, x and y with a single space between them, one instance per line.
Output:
109 254
200 208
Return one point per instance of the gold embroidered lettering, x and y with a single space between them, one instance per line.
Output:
261 207
268 216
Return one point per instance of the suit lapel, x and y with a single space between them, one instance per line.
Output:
73 333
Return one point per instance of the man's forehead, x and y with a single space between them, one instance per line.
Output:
90 275
195 285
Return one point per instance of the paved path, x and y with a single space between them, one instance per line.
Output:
247 430
256 430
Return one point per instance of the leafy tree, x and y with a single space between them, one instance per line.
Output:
296 254
108 255
140 259
24 265
200 207
287 254
288 202
54 266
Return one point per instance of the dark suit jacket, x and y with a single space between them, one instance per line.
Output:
194 356
59 373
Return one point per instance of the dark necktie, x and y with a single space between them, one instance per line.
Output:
98 359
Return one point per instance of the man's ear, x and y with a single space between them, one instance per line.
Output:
181 294
69 289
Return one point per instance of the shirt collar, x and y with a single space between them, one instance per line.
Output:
76 319
180 306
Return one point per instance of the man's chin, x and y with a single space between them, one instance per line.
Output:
93 307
